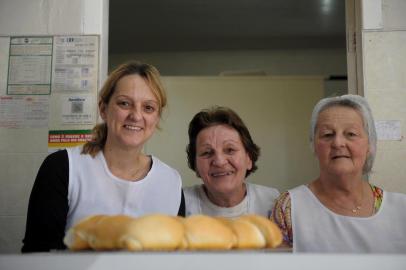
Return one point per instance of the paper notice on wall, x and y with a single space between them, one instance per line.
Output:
24 111
78 110
388 130
30 62
60 139
75 63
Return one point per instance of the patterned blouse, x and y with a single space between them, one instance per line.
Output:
282 217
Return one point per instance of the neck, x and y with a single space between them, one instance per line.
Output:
350 197
126 164
343 182
338 187
228 199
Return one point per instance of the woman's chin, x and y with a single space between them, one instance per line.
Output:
341 171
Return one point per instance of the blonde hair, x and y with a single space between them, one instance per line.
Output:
147 72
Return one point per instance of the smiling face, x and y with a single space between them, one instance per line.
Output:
341 143
132 113
221 160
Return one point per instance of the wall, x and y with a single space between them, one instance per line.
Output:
384 67
22 150
275 109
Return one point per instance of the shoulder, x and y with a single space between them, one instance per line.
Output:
162 168
263 190
192 190
58 156
192 199
159 163
283 201
77 150
55 162
54 172
393 197
281 215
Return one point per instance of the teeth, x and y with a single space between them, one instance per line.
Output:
221 174
132 127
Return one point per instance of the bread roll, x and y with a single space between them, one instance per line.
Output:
153 232
162 232
269 230
77 236
107 234
204 232
248 235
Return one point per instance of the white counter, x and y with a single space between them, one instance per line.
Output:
234 260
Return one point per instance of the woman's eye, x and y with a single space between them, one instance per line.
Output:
149 108
205 153
230 150
124 103
326 135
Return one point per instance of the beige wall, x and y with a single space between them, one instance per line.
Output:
275 109
384 67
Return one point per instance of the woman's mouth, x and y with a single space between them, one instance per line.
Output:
130 127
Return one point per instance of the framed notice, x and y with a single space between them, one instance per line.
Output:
30 64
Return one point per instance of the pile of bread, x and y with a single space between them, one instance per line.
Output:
162 232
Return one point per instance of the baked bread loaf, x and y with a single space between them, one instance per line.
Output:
270 231
76 237
204 232
248 235
153 232
162 232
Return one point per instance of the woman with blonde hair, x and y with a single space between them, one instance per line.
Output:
110 174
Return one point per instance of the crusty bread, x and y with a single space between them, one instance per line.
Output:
77 236
248 235
162 232
204 232
269 230
106 235
153 232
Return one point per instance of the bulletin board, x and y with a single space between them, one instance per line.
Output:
50 82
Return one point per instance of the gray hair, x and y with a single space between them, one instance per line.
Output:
359 104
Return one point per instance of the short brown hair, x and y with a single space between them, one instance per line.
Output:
220 116
152 77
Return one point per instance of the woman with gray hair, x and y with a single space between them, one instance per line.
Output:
340 211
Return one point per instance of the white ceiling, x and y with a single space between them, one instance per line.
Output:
179 25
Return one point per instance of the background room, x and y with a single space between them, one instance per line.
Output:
270 61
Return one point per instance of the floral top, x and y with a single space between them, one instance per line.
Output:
282 217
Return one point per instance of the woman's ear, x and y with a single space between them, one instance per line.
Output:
102 110
249 167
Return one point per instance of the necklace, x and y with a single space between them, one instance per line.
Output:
357 206
333 203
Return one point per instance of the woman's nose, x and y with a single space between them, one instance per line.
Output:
136 113
219 160
338 140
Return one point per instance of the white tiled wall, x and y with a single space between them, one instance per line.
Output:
384 61
23 150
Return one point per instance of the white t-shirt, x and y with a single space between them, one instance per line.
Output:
259 200
318 229
93 189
